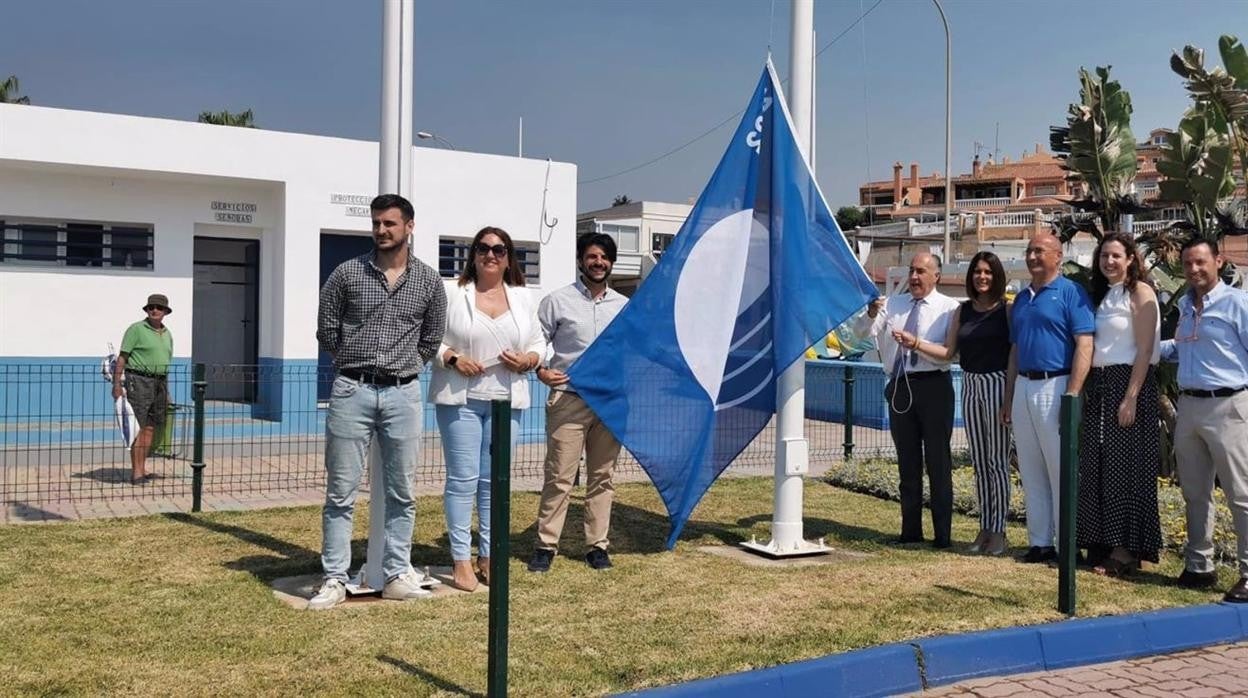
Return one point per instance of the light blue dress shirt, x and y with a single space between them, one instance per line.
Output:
1211 346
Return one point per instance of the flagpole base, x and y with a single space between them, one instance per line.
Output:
359 586
800 548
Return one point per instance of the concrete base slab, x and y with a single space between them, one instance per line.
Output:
732 552
295 591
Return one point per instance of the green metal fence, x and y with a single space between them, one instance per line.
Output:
245 432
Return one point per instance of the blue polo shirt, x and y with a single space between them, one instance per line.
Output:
1044 324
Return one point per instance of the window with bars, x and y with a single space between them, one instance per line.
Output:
454 253
65 244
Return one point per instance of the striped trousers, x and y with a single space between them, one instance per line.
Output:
989 440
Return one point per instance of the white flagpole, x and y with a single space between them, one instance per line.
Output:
394 177
792 450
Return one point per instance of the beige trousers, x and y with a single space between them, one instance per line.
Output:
570 428
1211 440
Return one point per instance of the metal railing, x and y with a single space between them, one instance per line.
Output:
1139 227
1009 220
983 203
258 433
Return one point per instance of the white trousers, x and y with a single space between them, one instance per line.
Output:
1036 413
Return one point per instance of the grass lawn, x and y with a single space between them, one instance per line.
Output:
182 605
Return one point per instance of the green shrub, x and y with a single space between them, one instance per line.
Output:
879 479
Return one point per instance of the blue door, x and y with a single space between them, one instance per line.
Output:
335 249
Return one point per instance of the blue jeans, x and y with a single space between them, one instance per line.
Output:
466 445
357 411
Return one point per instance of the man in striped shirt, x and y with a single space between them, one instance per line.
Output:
381 316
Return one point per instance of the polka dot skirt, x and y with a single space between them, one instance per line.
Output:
1118 467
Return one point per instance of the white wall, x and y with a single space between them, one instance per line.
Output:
82 309
166 173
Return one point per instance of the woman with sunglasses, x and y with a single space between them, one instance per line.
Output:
492 341
1120 440
979 335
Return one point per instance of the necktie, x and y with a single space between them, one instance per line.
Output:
912 326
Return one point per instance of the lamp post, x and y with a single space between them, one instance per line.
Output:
428 136
948 126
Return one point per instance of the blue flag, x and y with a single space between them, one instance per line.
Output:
685 376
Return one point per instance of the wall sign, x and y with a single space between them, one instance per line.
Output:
355 205
233 211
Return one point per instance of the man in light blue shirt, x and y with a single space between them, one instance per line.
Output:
572 318
1211 435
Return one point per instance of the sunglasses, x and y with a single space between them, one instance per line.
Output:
1183 337
499 251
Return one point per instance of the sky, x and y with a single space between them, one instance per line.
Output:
611 84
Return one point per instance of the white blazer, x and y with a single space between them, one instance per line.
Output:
446 385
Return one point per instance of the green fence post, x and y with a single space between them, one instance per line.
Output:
500 543
199 385
1072 410
848 446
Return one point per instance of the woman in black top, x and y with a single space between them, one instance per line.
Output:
980 336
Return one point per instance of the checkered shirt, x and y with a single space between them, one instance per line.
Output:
373 329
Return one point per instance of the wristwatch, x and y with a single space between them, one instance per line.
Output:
453 360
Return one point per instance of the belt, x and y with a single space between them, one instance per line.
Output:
919 375
1044 375
378 378
133 372
1220 392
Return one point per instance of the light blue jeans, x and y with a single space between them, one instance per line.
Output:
466 445
357 411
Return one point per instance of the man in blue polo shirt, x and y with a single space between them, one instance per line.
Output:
1051 329
1211 434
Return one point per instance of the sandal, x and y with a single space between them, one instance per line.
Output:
1113 567
462 576
483 570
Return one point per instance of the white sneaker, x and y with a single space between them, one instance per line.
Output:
332 593
406 586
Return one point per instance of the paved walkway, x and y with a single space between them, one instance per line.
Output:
1221 670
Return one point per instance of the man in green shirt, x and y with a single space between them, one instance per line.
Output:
143 365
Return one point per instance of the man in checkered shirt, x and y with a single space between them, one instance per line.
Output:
381 316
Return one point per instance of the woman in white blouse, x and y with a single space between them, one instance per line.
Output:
492 341
1118 521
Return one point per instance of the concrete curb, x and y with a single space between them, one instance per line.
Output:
912 666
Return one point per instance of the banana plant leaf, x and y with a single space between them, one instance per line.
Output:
1096 144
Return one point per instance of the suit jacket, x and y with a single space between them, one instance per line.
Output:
447 386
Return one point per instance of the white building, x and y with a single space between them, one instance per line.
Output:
237 226
642 230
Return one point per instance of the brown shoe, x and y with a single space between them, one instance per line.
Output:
462 576
981 542
996 544
483 570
